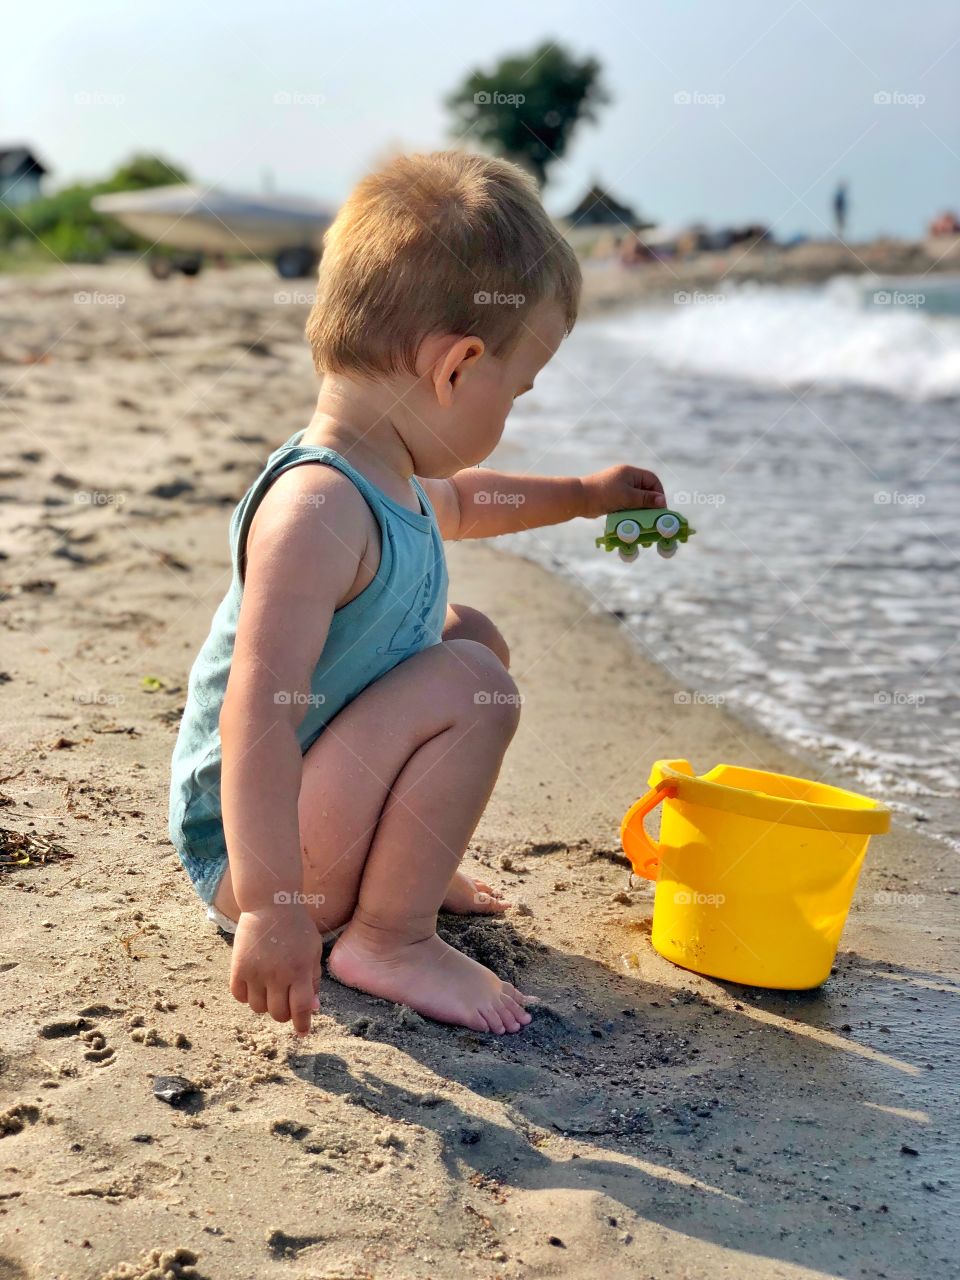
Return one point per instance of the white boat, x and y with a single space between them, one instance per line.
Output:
199 220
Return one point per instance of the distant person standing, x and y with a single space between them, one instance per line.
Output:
840 208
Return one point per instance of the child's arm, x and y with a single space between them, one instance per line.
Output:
477 503
303 552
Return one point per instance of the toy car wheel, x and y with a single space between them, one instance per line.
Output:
629 553
667 549
628 531
668 525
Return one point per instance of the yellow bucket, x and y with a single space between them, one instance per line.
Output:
755 871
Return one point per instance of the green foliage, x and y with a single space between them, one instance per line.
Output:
527 107
142 171
65 227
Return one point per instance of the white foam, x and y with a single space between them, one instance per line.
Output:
833 335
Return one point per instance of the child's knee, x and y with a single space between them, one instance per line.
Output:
467 623
492 699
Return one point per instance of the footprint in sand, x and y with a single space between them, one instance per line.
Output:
98 1051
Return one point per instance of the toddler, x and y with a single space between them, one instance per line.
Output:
344 725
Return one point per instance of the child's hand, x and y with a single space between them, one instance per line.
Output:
276 963
620 488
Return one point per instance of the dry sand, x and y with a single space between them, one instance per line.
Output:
649 1123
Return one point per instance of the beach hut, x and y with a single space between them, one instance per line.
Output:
20 175
599 208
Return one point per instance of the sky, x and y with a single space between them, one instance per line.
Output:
783 97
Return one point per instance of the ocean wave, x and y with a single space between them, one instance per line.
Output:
835 335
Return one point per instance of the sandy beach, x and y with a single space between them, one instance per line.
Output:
649 1123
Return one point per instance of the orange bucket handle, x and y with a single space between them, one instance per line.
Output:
637 845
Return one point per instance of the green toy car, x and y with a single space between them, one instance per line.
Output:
628 531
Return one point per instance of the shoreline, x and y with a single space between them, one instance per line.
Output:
801 752
608 286
649 1120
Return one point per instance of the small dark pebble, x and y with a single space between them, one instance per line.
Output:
469 1135
172 1089
556 1242
142 1137
908 1151
290 1128
172 489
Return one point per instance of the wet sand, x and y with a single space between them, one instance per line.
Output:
650 1122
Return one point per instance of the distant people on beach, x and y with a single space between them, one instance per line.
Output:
633 252
840 209
945 224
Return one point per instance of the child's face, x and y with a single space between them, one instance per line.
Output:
462 426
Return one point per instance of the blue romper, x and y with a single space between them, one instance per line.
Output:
400 612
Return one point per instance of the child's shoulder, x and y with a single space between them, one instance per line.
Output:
311 504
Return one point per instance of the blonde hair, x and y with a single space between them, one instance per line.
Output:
445 242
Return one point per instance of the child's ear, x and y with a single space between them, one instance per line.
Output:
454 361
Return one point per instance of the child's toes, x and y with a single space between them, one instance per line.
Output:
493 1019
516 1011
512 1020
477 1021
487 899
520 998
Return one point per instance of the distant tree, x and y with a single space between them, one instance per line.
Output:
527 107
145 171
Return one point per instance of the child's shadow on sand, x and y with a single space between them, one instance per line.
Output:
790 1125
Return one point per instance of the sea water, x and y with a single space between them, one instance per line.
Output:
812 437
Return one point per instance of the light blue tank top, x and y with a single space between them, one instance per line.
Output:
401 611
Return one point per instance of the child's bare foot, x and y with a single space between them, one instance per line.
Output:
467 896
431 977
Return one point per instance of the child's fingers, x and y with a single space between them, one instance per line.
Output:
648 480
303 1002
256 997
238 989
278 1004
650 498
